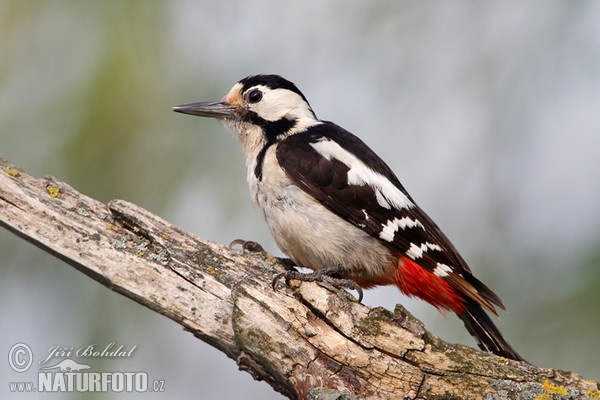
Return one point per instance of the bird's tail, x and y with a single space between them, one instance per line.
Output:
485 332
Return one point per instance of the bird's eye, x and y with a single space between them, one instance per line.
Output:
255 96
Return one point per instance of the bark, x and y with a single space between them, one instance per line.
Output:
310 341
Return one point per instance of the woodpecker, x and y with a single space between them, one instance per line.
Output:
335 207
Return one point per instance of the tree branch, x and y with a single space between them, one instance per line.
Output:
306 342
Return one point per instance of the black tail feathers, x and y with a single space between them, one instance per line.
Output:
485 332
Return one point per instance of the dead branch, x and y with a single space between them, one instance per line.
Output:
306 342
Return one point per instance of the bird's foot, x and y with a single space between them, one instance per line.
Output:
288 264
322 275
247 245
254 247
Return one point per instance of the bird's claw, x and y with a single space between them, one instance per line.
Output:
287 263
247 245
322 275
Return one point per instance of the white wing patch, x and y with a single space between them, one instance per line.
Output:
386 193
415 251
389 230
442 270
381 200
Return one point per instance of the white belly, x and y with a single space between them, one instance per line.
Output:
310 234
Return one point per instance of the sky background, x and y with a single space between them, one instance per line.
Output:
488 112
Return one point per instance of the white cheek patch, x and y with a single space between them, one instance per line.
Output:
387 195
389 230
280 103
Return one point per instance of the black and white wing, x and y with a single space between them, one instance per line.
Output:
345 175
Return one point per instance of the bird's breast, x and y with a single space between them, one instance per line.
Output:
308 232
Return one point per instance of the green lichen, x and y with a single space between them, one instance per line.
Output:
595 394
82 211
161 256
53 191
12 171
555 389
211 270
141 248
324 393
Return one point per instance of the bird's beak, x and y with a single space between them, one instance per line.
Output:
213 109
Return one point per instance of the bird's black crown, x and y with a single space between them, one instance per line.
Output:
272 82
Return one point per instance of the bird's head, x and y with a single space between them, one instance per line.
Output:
258 109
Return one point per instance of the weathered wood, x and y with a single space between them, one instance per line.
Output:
306 342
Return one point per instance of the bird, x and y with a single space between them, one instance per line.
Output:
335 207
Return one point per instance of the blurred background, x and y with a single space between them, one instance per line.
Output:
489 112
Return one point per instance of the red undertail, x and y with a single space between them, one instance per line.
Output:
413 280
